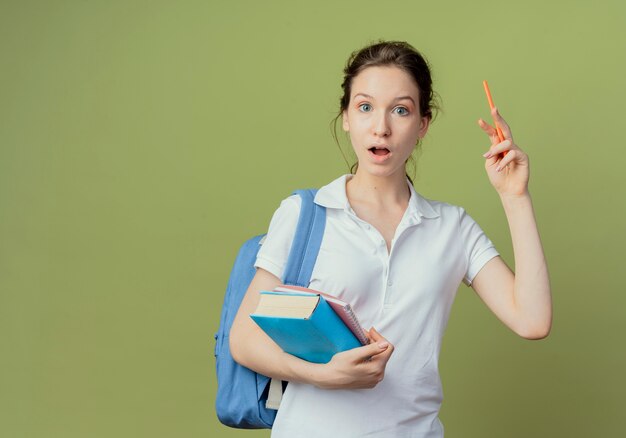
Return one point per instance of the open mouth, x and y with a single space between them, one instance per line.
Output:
379 151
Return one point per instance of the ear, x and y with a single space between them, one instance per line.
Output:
424 128
345 123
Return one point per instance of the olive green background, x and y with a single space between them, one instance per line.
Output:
142 142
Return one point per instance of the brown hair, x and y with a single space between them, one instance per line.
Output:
389 53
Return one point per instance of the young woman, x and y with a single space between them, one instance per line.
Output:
398 258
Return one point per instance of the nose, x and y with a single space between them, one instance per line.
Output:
381 126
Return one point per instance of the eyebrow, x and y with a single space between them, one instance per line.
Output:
397 98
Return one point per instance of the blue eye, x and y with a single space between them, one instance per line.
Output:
406 111
365 104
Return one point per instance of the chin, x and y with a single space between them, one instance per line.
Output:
380 171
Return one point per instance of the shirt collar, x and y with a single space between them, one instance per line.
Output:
333 195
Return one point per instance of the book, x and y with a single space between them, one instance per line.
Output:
303 324
341 308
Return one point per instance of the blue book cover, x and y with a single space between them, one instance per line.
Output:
315 338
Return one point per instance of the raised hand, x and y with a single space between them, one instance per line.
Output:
508 173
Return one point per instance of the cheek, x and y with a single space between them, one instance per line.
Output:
363 125
413 131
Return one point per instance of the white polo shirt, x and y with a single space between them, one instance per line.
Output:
405 294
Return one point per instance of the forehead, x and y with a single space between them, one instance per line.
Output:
384 82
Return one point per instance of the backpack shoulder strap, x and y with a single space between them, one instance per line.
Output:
302 256
307 240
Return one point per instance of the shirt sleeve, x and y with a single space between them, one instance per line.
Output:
478 248
274 251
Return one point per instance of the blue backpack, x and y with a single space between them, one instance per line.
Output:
242 393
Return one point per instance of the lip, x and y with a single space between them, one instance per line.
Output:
379 158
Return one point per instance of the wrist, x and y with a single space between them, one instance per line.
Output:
306 372
515 204
318 375
515 197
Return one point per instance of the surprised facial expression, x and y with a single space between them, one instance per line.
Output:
383 119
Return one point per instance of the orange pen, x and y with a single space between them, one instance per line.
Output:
491 105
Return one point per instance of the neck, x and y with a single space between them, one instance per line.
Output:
382 191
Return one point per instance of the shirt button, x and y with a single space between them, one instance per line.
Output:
390 283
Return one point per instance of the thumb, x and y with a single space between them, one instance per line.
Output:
366 352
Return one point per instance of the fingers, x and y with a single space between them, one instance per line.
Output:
375 335
489 130
504 153
486 127
514 155
380 340
378 348
366 352
361 367
499 148
506 130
